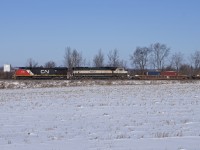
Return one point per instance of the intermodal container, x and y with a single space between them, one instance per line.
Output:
153 73
169 73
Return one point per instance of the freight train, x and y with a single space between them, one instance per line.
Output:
95 73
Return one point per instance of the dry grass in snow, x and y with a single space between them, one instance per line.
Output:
116 117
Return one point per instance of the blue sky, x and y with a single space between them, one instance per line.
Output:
41 29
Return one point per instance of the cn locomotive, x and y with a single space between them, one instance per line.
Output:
99 73
74 73
41 73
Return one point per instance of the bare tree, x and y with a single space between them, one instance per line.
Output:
98 59
73 58
76 58
50 64
31 63
195 58
67 58
123 64
177 60
186 69
159 54
140 57
113 58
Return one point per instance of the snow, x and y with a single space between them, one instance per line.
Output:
161 116
24 84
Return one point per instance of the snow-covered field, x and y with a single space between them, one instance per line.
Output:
101 117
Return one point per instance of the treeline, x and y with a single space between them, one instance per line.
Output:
156 56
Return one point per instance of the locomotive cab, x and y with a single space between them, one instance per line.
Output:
121 70
120 73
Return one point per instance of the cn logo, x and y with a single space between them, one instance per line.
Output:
44 71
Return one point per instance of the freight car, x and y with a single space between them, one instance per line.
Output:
99 73
196 77
41 73
160 75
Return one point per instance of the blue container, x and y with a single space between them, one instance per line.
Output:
153 73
